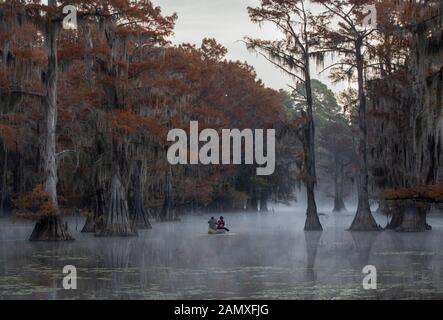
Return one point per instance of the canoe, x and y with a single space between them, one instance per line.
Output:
212 231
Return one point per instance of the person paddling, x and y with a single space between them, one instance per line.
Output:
213 224
221 224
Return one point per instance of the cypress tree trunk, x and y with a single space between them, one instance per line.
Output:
51 228
139 215
167 210
395 222
413 218
253 202
17 173
363 221
312 220
116 219
394 209
89 226
339 204
95 223
264 202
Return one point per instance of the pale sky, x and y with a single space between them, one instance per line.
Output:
228 22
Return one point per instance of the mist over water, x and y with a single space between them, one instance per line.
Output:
266 256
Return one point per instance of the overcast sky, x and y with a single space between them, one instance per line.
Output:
228 22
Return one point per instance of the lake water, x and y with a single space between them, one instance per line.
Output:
266 256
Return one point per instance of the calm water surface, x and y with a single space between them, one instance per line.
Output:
267 256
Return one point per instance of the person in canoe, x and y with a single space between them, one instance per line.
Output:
221 224
212 224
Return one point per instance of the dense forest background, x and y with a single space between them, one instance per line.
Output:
84 113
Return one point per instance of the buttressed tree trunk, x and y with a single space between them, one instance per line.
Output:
139 215
95 223
89 226
413 218
363 221
116 219
51 228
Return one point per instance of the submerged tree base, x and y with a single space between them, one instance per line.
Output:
116 219
50 229
395 222
89 226
313 223
364 221
141 223
413 220
408 216
339 206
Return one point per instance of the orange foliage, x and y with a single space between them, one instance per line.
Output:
126 122
35 205
133 90
427 192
